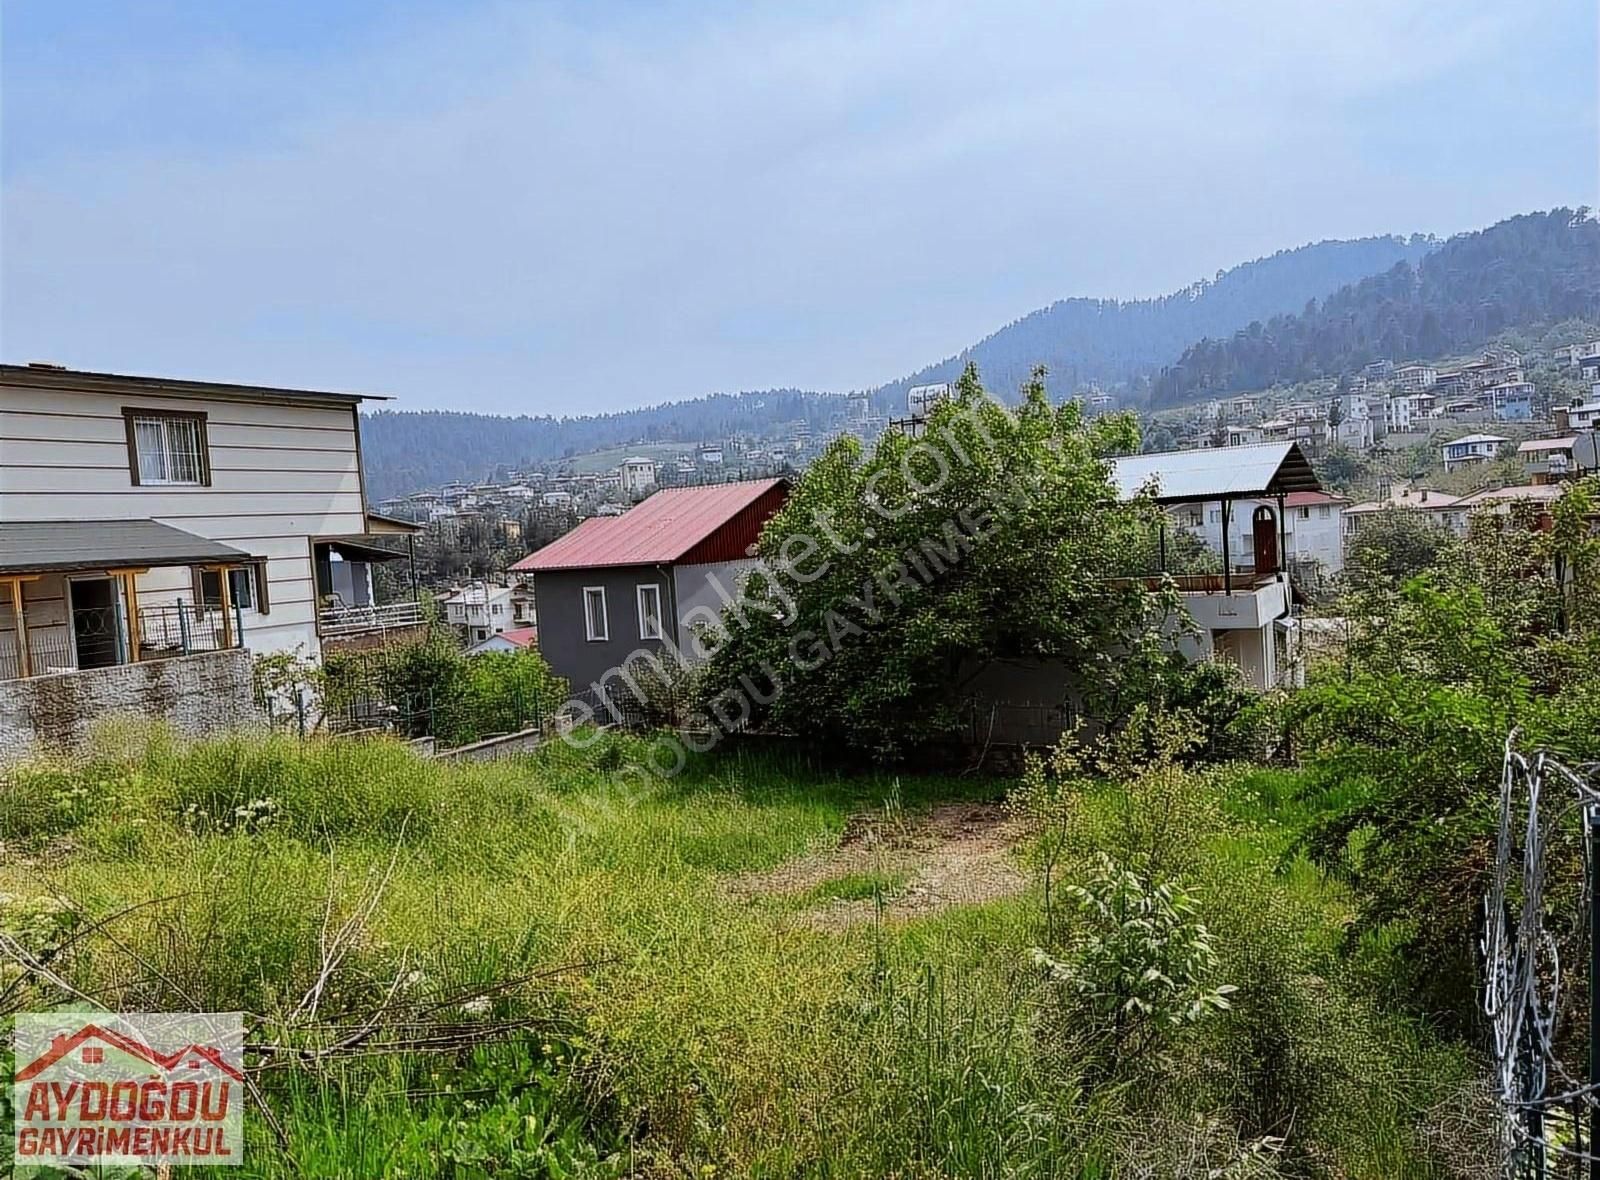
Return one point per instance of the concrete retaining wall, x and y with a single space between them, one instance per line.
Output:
198 695
489 749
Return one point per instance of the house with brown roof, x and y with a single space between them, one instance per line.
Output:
618 586
1439 506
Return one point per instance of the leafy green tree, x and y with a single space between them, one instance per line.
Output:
1395 545
889 578
1403 748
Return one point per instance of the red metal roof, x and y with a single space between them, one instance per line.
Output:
669 526
520 636
1306 499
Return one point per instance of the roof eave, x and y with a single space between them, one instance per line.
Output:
86 381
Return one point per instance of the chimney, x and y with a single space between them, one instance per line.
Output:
1424 495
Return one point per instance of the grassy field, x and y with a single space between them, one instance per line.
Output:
621 1006
611 458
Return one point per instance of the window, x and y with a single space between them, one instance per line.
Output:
247 587
649 611
594 614
166 447
1305 513
1323 512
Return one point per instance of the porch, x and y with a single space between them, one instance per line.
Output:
349 611
82 595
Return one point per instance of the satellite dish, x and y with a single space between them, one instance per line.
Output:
1586 451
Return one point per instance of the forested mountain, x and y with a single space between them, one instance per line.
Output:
1534 269
406 450
1080 340
1113 341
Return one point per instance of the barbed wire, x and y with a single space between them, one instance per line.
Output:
1542 1101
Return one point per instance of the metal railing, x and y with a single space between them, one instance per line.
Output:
99 637
185 628
1244 582
337 621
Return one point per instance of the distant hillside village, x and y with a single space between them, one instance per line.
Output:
1417 433
1261 496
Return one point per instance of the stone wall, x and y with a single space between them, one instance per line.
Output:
199 694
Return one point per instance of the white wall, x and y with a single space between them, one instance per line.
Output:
282 473
1307 536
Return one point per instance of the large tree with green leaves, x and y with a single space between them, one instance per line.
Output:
891 576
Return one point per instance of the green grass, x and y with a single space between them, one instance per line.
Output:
872 885
611 458
672 1029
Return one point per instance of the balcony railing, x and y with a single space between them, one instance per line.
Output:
98 637
1244 582
338 621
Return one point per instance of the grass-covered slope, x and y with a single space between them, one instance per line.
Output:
616 1008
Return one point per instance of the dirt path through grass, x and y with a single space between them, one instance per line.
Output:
913 864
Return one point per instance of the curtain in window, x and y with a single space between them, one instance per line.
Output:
168 450
150 440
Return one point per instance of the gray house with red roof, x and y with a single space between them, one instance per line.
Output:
619 585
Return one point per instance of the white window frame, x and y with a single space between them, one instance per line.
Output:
588 618
638 595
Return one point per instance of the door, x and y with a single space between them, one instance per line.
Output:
96 622
1264 529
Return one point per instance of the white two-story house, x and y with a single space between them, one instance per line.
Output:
145 518
481 611
1472 448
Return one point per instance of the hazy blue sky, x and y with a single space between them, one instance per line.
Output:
569 207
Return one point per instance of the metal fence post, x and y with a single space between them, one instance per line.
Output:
183 627
238 624
1592 834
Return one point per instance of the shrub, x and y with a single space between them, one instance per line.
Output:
995 533
1139 965
432 689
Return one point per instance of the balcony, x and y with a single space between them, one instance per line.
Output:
345 622
1253 601
102 637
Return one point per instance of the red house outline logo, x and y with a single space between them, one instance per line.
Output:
62 1046
140 1088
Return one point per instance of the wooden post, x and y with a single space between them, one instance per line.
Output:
225 588
1227 560
24 656
1283 541
130 599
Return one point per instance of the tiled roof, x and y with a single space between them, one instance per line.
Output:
659 531
1435 501
1530 491
1306 499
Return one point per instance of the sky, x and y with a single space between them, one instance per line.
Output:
573 207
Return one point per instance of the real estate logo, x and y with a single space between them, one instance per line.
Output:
129 1088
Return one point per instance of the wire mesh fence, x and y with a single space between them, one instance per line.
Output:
1540 919
425 689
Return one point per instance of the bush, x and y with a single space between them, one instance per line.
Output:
432 689
1139 965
